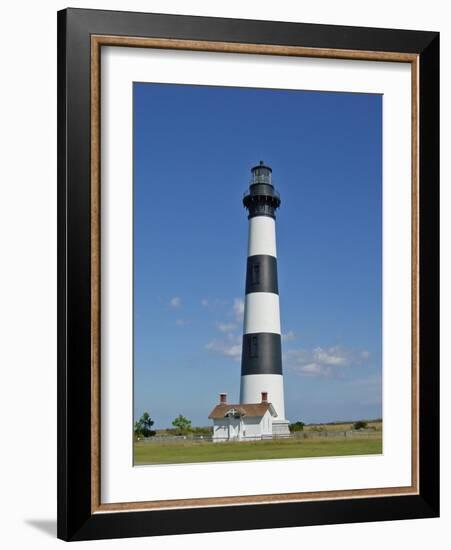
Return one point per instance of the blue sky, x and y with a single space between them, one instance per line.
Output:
193 150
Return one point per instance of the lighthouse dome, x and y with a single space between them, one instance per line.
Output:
261 199
261 173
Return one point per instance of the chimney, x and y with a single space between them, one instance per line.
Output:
222 398
264 397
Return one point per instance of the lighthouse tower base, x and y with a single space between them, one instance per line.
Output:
280 428
254 386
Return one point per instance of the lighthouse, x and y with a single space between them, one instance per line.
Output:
261 359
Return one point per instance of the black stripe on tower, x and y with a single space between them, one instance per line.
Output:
261 274
262 354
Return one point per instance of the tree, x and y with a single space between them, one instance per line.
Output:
143 426
137 430
182 425
360 425
146 422
297 426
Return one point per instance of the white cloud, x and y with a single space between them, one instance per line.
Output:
324 362
238 309
175 302
316 370
332 356
204 302
182 322
226 327
288 336
231 348
230 344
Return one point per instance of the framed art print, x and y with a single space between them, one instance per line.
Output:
248 274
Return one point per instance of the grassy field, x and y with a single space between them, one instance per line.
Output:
197 451
341 427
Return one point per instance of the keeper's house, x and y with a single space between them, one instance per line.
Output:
242 421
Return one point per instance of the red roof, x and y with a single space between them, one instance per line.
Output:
248 409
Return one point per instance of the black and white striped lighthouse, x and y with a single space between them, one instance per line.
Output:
261 360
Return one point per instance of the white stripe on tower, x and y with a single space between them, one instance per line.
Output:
261 313
261 363
262 236
273 384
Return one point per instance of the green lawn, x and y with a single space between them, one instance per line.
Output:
197 451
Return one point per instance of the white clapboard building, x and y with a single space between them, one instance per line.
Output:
240 421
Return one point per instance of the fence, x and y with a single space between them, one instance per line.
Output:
307 434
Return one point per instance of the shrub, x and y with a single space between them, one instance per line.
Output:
360 425
297 426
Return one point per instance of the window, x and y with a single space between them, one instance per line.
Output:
255 274
253 346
